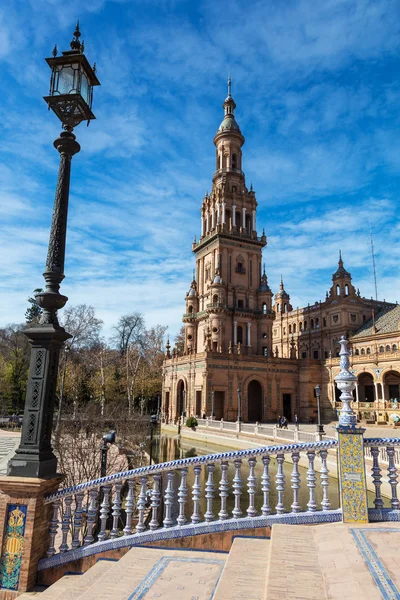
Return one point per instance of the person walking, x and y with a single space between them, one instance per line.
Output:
279 421
296 421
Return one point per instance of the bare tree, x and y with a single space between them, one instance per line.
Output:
129 330
81 322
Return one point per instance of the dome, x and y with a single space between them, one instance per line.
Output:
192 292
229 124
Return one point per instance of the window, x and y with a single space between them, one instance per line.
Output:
346 289
285 307
381 348
317 322
312 323
290 329
279 307
362 350
301 326
215 299
234 161
234 190
240 303
264 308
337 290
316 354
294 327
265 351
326 353
284 331
324 322
394 348
388 348
305 325
240 334
190 309
304 355
357 352
264 336
368 350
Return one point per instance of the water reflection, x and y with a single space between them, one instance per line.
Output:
167 448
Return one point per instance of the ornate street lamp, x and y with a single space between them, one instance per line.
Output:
317 392
239 397
70 98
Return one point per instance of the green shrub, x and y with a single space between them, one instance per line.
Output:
191 422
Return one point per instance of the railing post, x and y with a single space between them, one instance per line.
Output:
353 488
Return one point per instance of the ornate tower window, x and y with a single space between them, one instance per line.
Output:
240 334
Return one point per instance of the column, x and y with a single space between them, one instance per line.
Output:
234 333
218 213
202 224
244 218
223 213
207 222
233 215
212 217
383 393
254 220
249 334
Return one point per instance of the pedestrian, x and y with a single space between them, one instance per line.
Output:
279 421
284 423
296 421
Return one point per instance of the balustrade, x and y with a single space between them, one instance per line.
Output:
196 490
385 455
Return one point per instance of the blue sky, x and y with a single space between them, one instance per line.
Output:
317 91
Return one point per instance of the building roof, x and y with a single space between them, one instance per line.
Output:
386 321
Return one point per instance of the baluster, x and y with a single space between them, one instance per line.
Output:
116 510
392 471
169 499
129 507
66 521
210 489
325 504
53 528
78 520
155 502
295 479
376 477
182 495
104 511
311 481
251 487
265 486
196 495
280 483
223 490
142 498
237 488
91 516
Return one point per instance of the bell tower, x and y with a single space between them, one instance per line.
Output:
234 312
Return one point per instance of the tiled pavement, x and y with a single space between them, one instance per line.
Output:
300 562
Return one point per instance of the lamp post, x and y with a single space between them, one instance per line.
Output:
239 396
153 425
70 98
212 404
320 428
183 404
108 439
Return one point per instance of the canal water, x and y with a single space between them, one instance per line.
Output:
166 448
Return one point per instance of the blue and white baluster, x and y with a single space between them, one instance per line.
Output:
392 472
155 502
311 481
53 528
116 510
78 520
237 488
210 490
280 483
224 490
376 477
265 486
251 488
182 495
104 512
324 475
91 516
141 504
196 494
129 507
65 525
295 479
169 499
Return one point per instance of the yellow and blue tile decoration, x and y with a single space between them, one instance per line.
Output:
352 475
376 567
13 546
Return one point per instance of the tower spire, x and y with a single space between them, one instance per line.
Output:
229 86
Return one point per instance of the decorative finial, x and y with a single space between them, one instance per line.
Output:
281 280
263 232
346 383
264 269
194 272
55 50
229 85
76 45
94 67
251 187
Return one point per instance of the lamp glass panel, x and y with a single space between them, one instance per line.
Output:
85 88
66 81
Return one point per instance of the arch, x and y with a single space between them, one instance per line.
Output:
337 290
366 388
180 398
346 289
362 350
215 299
254 401
285 307
301 326
394 348
294 327
264 308
290 329
190 309
391 382
357 352
381 348
387 349
368 350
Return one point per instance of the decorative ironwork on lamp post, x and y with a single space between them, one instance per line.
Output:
70 98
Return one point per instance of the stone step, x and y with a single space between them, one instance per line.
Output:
245 573
169 574
294 572
78 585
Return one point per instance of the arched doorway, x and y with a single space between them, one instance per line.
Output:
366 388
180 398
391 381
254 402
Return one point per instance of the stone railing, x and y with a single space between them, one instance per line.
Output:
193 495
270 431
385 456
